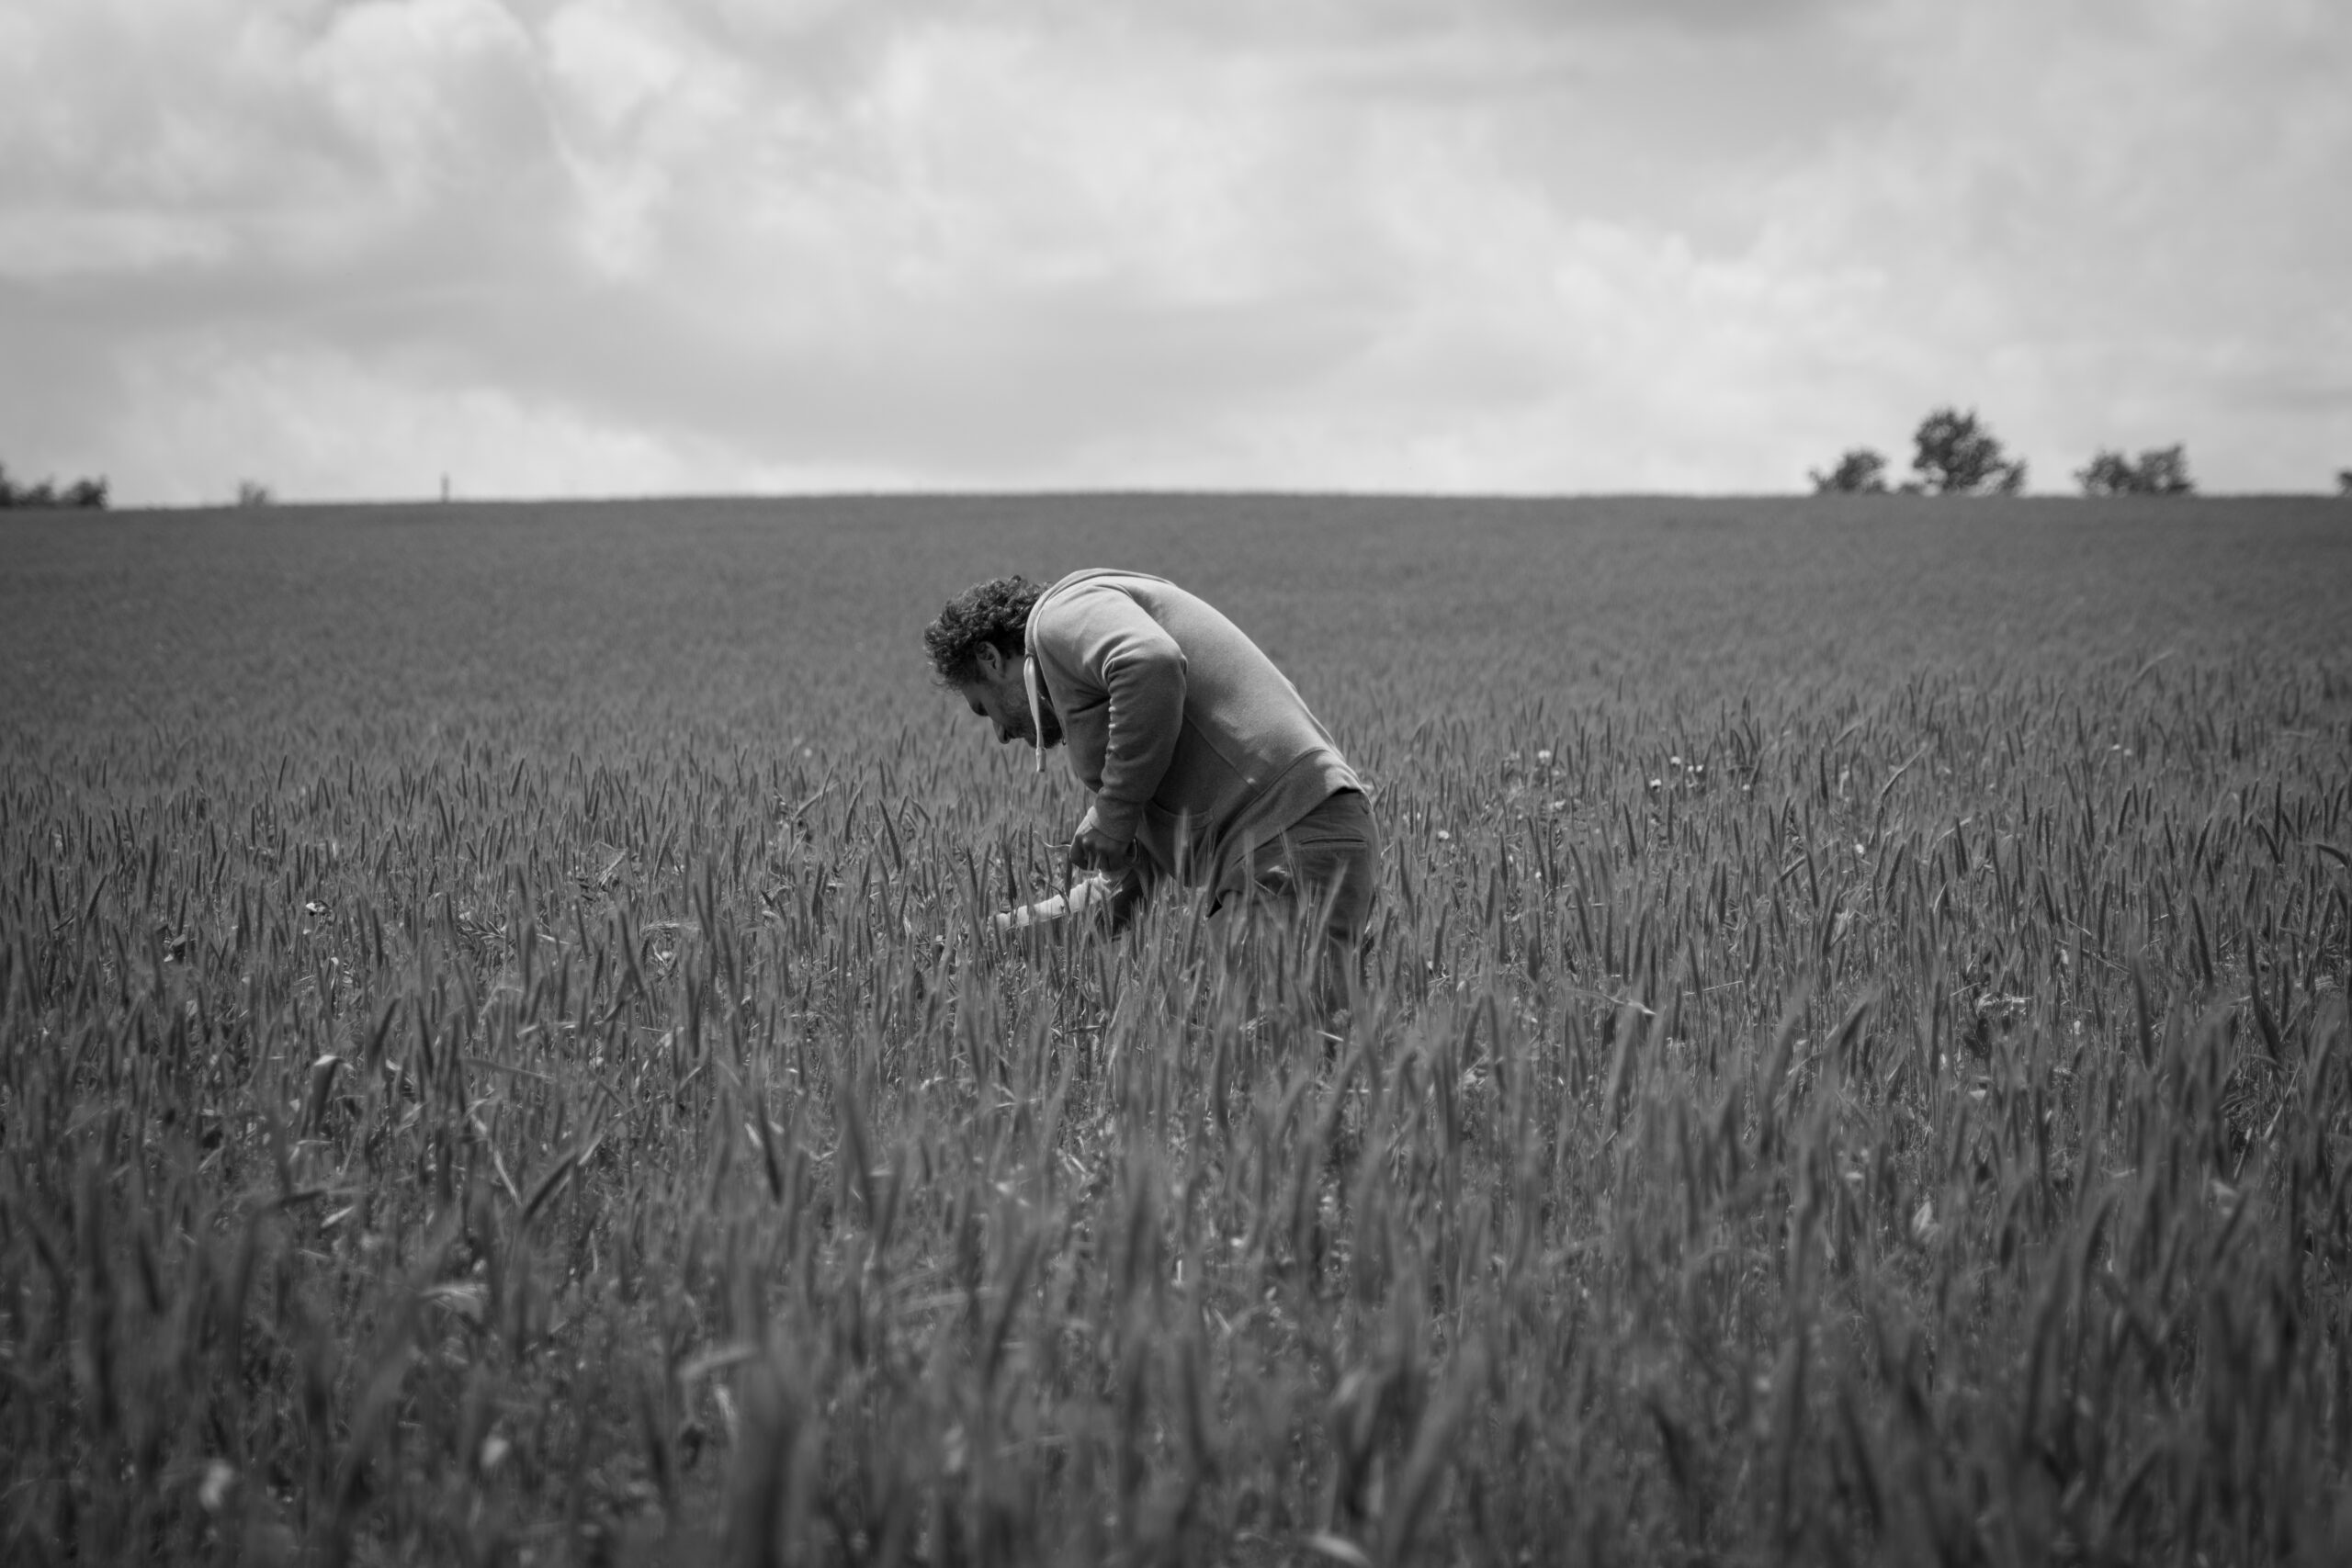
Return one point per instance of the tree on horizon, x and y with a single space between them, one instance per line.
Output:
1957 455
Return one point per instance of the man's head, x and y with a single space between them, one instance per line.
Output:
978 646
987 614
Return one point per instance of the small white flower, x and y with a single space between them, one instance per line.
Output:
213 1491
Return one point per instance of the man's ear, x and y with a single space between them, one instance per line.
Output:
990 659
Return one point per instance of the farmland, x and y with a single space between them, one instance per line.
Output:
499 1061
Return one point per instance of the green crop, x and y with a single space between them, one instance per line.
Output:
500 1060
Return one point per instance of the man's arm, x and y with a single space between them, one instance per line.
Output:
1109 644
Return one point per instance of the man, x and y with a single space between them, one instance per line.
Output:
1204 764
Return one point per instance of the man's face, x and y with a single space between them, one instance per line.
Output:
1007 711
998 695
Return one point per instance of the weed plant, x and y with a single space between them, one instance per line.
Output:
500 1061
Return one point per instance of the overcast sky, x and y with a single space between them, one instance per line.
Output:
554 247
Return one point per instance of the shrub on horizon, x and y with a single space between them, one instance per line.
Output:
2160 470
83 493
1860 471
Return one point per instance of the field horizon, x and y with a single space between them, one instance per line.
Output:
1220 496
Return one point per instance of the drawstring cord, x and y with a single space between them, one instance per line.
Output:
1036 708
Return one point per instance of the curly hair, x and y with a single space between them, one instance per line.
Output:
995 613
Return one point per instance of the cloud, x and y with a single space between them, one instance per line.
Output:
2099 225
343 428
708 243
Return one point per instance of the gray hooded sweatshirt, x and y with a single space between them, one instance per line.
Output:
1193 745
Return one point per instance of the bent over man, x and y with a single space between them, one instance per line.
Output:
1203 764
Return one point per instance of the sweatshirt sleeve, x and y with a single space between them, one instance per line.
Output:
1109 645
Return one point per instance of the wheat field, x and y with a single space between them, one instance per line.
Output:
501 1061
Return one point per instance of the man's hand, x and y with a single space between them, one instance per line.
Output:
1090 848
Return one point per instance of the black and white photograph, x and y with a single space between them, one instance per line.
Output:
1303 784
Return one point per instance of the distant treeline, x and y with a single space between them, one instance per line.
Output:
1956 454
81 492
